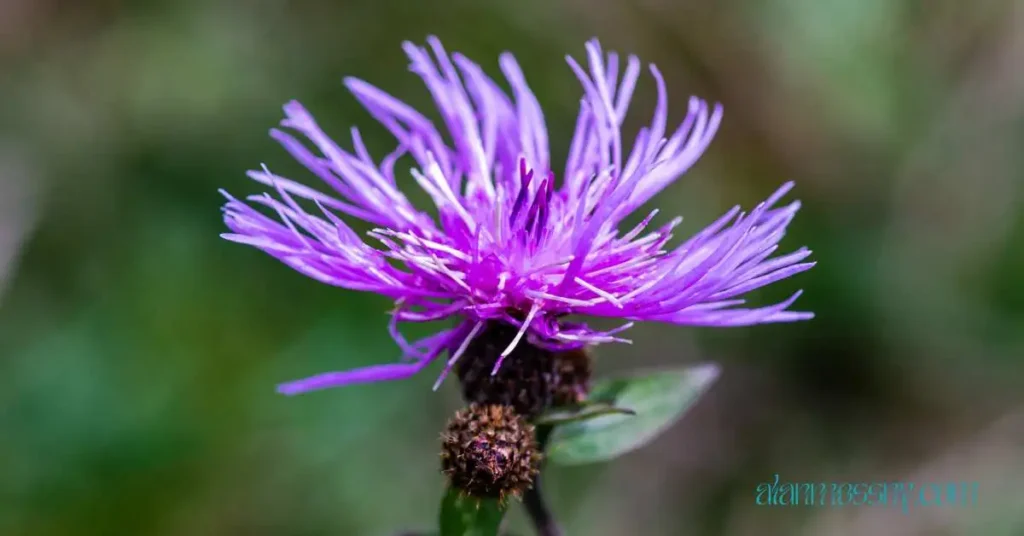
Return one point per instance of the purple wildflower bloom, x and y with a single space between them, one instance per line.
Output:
508 245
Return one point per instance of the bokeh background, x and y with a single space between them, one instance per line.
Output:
139 351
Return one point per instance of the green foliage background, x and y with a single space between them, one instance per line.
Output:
139 352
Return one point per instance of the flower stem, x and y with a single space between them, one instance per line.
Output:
539 513
536 507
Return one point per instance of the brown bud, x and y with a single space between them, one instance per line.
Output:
489 452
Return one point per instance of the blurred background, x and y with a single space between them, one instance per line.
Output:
139 351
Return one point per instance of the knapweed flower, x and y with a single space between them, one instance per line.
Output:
508 246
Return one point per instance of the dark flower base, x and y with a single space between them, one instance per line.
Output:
530 379
572 370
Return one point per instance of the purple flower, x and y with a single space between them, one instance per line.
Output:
507 244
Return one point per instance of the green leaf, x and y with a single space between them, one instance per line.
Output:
659 399
587 410
462 515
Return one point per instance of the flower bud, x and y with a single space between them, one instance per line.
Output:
489 452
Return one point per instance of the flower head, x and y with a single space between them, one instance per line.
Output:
508 246
489 451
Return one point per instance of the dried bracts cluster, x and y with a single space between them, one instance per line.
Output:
490 451
519 243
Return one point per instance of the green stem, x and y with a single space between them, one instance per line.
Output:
536 507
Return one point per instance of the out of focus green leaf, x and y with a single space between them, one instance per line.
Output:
462 515
658 398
